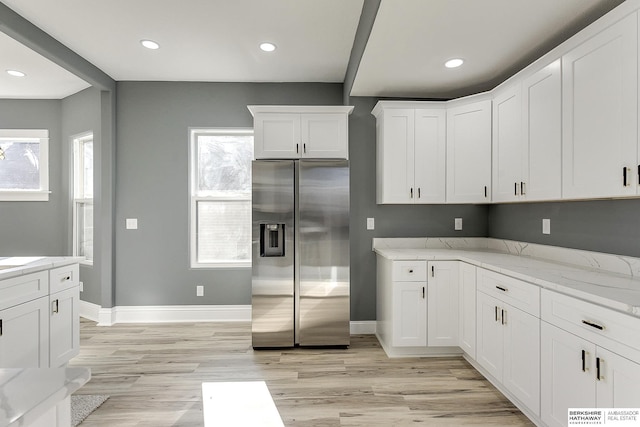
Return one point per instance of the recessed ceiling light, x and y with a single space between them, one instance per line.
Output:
16 73
454 63
268 47
150 44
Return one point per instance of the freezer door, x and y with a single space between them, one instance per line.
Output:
323 253
272 305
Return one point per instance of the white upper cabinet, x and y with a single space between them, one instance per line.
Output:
600 114
542 134
469 153
508 184
527 138
293 132
411 145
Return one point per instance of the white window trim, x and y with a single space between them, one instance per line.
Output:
41 195
194 199
78 183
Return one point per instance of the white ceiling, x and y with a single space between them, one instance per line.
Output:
217 40
411 40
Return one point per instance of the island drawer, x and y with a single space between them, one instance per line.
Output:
409 271
519 294
62 278
21 289
590 321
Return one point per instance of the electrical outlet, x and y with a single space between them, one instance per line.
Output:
81 286
371 224
546 226
199 291
131 223
458 224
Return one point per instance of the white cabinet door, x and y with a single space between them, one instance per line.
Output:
507 145
409 314
600 113
24 335
442 303
64 326
521 374
395 178
617 381
324 136
469 153
489 335
277 136
542 133
467 309
429 156
567 365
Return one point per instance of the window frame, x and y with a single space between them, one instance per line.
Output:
24 195
194 198
78 187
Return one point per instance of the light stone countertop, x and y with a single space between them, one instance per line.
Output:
17 266
27 394
607 288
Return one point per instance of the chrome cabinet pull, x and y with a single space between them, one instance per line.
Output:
638 174
504 318
433 271
297 148
54 307
411 192
423 292
64 279
418 192
1 329
624 176
502 289
304 148
593 325
515 188
410 271
485 191
584 361
521 188
496 310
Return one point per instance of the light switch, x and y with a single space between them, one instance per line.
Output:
371 224
546 226
199 291
132 223
458 223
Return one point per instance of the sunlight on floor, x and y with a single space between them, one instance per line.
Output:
243 403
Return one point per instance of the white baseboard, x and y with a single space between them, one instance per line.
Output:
186 313
365 327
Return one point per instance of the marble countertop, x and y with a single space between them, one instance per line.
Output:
26 394
17 266
607 288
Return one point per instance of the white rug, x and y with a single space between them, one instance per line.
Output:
84 404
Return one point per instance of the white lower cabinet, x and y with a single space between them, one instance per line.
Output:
467 309
64 333
577 373
442 303
409 314
24 335
508 347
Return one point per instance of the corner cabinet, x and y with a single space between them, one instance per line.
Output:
469 152
295 132
600 114
411 148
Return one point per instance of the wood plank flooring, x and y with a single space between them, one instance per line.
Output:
154 372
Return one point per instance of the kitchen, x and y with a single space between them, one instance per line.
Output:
152 122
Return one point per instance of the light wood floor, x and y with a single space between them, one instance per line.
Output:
153 373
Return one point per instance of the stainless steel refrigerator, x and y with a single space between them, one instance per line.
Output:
300 280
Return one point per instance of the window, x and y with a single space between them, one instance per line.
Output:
83 196
220 169
24 165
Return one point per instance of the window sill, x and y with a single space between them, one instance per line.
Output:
222 265
24 196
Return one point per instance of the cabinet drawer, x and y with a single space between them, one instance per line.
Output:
21 289
64 278
522 295
409 271
590 321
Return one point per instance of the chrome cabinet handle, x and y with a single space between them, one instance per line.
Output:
418 192
64 279
522 188
504 318
423 292
433 271
599 363
1 329
54 307
593 325
502 289
515 188
304 148
624 176
485 191
411 192
584 361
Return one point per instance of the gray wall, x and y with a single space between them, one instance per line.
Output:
611 226
390 220
80 114
152 262
36 228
